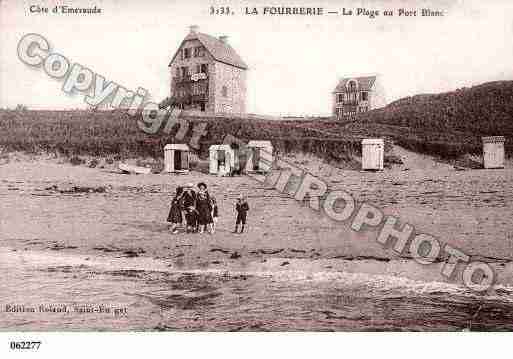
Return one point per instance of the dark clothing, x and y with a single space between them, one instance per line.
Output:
241 218
191 217
188 200
204 207
189 207
175 213
242 209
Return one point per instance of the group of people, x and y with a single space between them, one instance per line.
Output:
197 210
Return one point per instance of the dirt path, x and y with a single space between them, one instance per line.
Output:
416 161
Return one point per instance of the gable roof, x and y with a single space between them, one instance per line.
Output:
176 146
219 50
365 83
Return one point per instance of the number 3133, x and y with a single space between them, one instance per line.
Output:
220 10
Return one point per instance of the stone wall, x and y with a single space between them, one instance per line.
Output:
234 79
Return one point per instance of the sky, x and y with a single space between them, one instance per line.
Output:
294 62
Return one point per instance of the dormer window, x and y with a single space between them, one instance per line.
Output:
186 53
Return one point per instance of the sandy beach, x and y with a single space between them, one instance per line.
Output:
70 224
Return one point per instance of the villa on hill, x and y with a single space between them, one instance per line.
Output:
355 95
208 75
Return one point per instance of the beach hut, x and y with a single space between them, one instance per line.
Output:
221 160
176 158
261 157
373 150
493 151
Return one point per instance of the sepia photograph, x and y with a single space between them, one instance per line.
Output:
250 166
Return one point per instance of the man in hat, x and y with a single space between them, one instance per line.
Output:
204 207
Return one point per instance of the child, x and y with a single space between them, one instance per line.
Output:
175 213
191 218
242 209
215 213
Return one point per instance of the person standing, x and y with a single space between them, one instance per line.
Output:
175 213
242 208
215 213
189 208
204 207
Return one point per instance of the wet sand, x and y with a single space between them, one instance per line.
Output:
293 270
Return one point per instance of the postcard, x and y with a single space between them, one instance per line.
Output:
306 166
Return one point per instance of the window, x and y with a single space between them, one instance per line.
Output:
185 71
340 97
201 68
352 86
224 91
186 53
199 51
365 96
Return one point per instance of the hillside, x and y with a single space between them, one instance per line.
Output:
446 125
115 133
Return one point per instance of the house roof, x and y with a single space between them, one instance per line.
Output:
176 146
265 144
373 141
222 147
219 50
365 83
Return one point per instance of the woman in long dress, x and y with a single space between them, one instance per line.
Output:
204 208
175 213
189 208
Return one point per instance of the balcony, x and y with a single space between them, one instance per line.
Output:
202 76
181 79
351 102
188 97
199 97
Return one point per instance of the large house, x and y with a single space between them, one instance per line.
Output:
208 75
357 94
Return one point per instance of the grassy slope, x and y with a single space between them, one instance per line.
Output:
448 125
116 133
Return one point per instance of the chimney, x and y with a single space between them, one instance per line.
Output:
194 29
223 39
